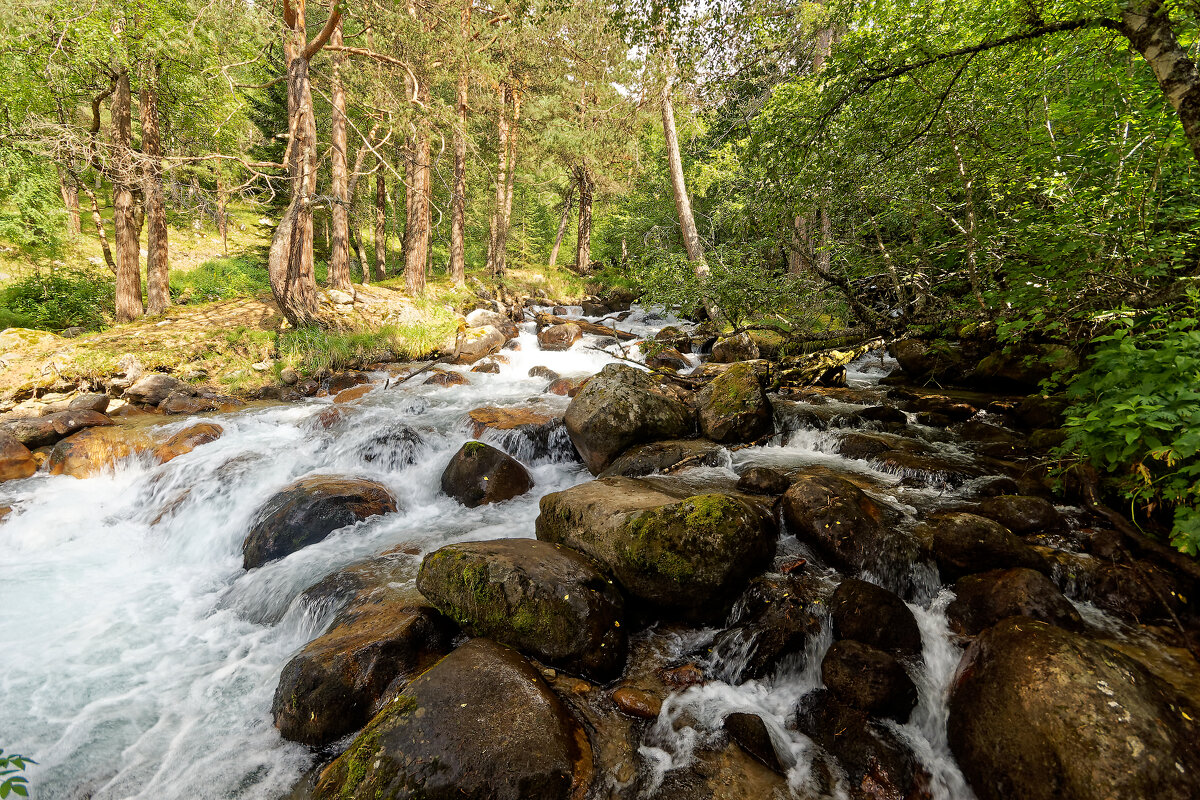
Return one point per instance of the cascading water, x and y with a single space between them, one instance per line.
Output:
139 660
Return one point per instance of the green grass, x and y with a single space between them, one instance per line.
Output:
221 279
55 299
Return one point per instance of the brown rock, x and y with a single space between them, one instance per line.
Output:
15 459
153 388
486 366
564 387
445 378
353 393
188 440
559 337
90 451
480 474
636 703
36 432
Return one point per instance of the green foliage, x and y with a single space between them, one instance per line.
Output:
1137 415
315 351
222 278
31 212
10 781
60 298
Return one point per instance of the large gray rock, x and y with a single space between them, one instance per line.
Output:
481 317
481 724
153 388
621 407
1040 713
686 557
480 474
34 432
983 600
308 510
658 456
475 343
734 408
543 599
964 544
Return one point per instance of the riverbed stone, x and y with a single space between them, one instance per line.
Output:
480 474
548 601
983 600
751 734
764 480
335 684
869 679
34 432
686 557
15 459
964 544
97 449
873 615
475 343
734 408
734 348
1023 514
187 440
668 358
559 337
619 408
645 459
1038 712
152 388
778 615
940 362
308 510
481 723
848 527
482 317
541 371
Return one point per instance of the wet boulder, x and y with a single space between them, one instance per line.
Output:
308 510
764 480
473 344
1039 712
15 459
480 474
1022 514
942 362
645 459
487 366
543 372
559 337
187 440
1135 593
636 703
393 446
335 684
869 679
1024 368
751 734
34 432
873 615
95 450
734 348
848 527
545 600
686 557
778 615
734 408
985 599
481 317
1042 411
668 358
152 388
446 378
481 723
964 544
565 387
876 763
619 408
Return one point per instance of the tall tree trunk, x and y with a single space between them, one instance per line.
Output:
583 246
683 204
505 221
354 233
98 221
970 233
380 224
568 199
290 261
501 180
222 211
129 279
339 249
70 196
458 199
157 259
416 256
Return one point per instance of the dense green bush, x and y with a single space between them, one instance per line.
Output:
220 279
58 299
1137 415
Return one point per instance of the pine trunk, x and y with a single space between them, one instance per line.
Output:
458 199
501 181
339 248
416 256
70 196
505 221
129 279
380 224
583 246
562 223
157 258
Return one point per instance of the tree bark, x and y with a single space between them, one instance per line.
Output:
510 180
129 279
419 218
339 248
70 196
354 233
568 201
290 261
380 224
98 221
458 199
583 246
972 246
493 254
157 257
222 212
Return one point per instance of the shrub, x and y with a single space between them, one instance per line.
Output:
221 278
1136 415
61 298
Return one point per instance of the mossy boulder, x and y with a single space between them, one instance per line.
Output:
481 724
620 407
335 684
308 510
15 459
940 362
1038 712
681 556
734 408
1024 368
480 474
548 601
645 459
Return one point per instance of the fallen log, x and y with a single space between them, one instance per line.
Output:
812 368
545 320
